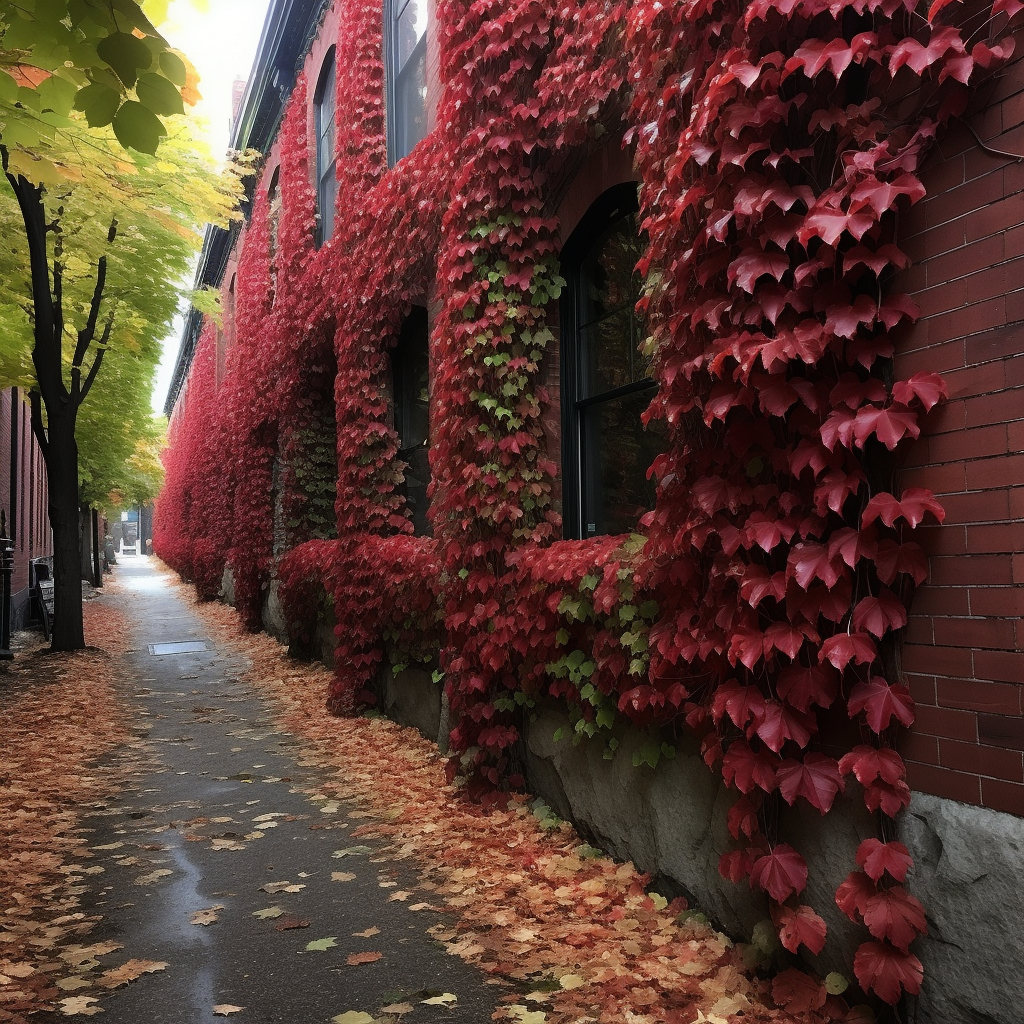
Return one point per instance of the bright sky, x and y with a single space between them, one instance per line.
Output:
221 42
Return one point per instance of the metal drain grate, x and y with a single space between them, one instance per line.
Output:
179 647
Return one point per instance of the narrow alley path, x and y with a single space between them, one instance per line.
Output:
218 827
262 861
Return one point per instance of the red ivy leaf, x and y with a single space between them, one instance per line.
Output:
878 858
780 873
895 915
890 425
802 686
916 503
843 648
816 779
887 971
797 992
890 798
892 559
801 925
809 562
780 722
742 818
927 388
881 702
868 764
853 894
736 864
744 769
877 615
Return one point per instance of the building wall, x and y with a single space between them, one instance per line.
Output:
964 643
23 497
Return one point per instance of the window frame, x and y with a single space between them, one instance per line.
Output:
325 99
393 9
414 332
578 476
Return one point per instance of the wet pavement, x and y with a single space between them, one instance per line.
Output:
220 807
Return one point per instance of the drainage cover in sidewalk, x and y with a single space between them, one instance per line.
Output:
180 647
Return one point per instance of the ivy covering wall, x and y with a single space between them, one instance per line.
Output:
756 606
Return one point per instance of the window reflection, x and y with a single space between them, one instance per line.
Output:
406 47
327 180
607 378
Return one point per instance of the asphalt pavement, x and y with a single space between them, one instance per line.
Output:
219 808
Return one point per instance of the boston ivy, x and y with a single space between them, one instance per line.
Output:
774 143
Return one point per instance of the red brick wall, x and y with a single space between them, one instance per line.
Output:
964 652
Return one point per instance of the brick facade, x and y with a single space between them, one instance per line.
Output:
964 649
23 496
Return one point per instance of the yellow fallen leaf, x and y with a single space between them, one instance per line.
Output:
226 1009
571 981
397 1008
353 1017
445 999
208 916
79 1006
342 876
367 934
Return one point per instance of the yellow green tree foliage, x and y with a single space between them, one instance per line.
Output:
96 248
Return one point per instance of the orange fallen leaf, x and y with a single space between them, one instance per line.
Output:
355 959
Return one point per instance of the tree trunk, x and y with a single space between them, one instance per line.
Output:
62 477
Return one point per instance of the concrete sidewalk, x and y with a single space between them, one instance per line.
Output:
219 806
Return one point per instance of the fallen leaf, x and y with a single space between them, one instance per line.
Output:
319 945
445 999
79 1005
352 1017
570 981
22 970
522 1015
367 934
128 972
397 1008
72 984
226 1009
268 913
206 917
153 876
290 921
400 897
342 876
420 906
276 887
355 959
352 851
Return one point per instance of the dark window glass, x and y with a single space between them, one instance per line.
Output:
274 203
411 389
405 42
326 176
606 378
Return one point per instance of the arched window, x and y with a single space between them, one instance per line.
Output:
606 451
326 176
405 57
411 391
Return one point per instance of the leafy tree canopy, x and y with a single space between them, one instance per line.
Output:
152 207
104 58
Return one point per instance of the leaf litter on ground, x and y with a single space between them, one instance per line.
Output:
61 714
533 905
